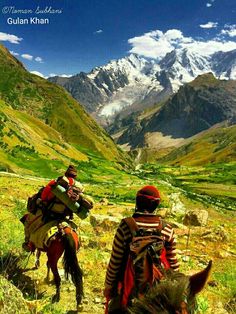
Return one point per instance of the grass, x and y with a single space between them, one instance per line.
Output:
211 185
214 146
202 304
120 189
225 277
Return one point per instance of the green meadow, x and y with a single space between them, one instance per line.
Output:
210 188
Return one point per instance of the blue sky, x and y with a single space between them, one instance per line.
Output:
89 33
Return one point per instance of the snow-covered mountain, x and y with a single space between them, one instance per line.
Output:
134 83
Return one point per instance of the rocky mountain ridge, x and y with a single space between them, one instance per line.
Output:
196 107
134 83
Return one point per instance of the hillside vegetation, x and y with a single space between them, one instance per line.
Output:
215 145
32 106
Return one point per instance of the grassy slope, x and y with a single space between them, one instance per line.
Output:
30 146
96 242
51 104
215 145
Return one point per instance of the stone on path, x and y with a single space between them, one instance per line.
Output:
107 223
196 218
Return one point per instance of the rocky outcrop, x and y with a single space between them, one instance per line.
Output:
196 218
138 83
196 107
105 222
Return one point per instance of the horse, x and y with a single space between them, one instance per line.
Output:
66 240
175 294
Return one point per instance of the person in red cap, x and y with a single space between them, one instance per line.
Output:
147 200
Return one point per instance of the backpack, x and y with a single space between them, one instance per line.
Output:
34 202
146 261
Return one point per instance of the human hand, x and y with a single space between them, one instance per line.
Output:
107 293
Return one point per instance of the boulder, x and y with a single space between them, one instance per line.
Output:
104 201
176 205
196 218
106 222
222 234
163 212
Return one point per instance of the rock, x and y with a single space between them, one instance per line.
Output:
176 205
80 308
221 234
84 240
210 237
196 218
186 259
219 308
162 212
212 283
223 254
98 300
104 201
107 223
178 225
113 213
217 234
92 244
206 233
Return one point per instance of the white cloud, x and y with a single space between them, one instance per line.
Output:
157 44
210 3
27 56
211 46
52 75
39 59
11 38
65 75
14 53
61 75
99 31
38 73
209 25
229 30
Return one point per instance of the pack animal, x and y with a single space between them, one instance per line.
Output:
175 294
66 240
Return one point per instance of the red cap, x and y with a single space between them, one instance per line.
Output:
148 198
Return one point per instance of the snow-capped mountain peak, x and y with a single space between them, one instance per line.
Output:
133 83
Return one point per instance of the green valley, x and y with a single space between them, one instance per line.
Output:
43 130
